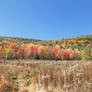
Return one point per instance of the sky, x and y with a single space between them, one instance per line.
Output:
45 19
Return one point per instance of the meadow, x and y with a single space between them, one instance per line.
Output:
46 76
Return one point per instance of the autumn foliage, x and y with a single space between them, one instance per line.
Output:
31 51
65 49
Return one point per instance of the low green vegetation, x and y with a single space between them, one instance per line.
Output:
87 53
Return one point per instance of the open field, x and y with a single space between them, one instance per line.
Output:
45 76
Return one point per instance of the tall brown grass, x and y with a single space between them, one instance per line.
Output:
74 76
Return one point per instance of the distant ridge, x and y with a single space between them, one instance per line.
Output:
86 36
30 40
18 39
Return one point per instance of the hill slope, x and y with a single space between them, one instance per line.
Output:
27 40
19 40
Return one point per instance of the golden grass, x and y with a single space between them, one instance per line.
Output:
47 76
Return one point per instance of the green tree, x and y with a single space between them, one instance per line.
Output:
87 53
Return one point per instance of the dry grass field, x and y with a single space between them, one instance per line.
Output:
45 76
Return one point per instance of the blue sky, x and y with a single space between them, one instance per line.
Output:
45 19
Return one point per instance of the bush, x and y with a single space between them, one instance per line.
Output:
35 57
8 54
87 53
75 55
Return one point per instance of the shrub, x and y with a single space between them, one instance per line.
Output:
8 54
65 55
20 53
1 52
87 53
75 54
